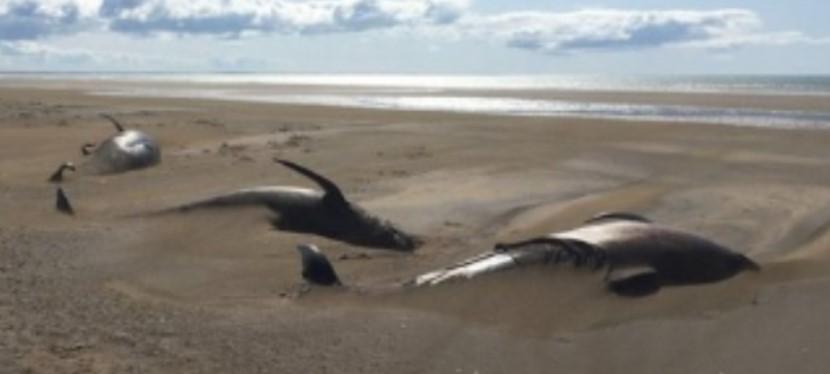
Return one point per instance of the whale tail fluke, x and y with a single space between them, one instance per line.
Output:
747 263
316 267
333 192
62 203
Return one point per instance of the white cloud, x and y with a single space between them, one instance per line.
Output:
240 17
543 32
34 19
34 55
30 55
761 38
611 29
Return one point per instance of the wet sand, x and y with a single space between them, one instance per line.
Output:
108 291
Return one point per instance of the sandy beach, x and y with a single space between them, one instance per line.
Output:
107 291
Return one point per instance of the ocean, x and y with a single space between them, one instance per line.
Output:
495 95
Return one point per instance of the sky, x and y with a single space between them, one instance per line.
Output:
418 36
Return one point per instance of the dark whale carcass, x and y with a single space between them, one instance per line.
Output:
327 213
639 257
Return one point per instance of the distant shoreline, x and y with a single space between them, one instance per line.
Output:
733 84
460 95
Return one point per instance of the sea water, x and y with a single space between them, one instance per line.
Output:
464 93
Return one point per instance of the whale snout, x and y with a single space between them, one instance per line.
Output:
393 238
749 264
408 243
373 232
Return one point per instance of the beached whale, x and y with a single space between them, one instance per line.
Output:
639 257
327 213
124 151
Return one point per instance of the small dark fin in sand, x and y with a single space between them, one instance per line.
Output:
85 149
617 216
57 176
316 267
333 193
62 203
118 125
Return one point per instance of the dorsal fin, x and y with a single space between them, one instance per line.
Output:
62 203
115 122
333 193
316 267
617 216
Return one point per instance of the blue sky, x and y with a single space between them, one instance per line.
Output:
418 36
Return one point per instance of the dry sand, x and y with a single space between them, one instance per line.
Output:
213 292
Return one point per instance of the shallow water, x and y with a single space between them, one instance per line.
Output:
751 84
513 107
471 94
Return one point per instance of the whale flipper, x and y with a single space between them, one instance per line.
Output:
62 203
333 193
316 267
86 149
635 281
57 176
